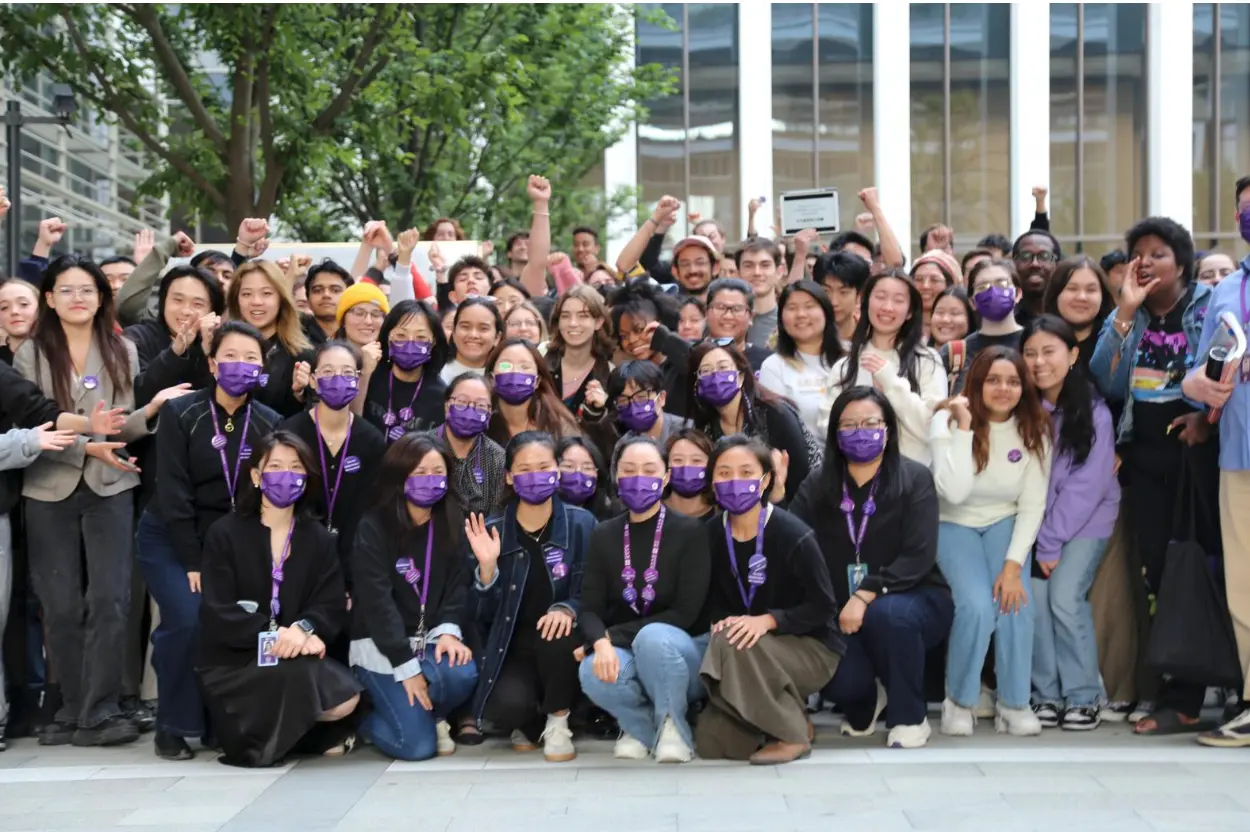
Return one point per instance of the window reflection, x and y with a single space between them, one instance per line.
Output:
1221 146
662 137
793 92
846 151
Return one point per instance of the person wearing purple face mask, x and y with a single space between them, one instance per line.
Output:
526 397
770 609
636 391
580 481
406 392
690 486
875 514
349 449
273 600
645 585
202 440
995 289
407 647
477 462
526 602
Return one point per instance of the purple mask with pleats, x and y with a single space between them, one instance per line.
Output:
238 378
282 488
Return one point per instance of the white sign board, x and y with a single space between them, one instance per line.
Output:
816 208
345 253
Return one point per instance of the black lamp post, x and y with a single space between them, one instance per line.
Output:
63 108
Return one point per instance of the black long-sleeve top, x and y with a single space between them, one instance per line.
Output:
238 566
355 489
900 541
193 492
684 565
427 410
783 430
796 591
23 405
280 367
384 606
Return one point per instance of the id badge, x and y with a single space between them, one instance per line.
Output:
855 574
265 644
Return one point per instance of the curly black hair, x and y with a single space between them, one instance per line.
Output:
1171 232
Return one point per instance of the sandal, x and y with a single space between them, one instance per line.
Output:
1167 721
467 734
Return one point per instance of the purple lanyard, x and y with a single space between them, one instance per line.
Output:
477 457
396 426
408 568
275 606
332 496
1245 310
650 575
848 509
757 566
219 442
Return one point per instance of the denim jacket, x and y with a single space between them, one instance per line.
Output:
1114 356
494 607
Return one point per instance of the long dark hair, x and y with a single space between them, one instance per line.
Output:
1032 421
389 500
754 398
1076 399
49 335
1059 279
831 344
515 445
400 313
545 408
833 471
906 341
248 500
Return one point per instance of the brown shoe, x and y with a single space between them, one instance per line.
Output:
778 752
811 731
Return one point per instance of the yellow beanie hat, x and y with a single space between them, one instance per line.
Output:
361 292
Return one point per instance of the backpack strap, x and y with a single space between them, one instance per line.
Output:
957 350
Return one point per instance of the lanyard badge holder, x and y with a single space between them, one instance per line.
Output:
408 568
267 640
857 571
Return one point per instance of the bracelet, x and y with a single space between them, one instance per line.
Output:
862 599
542 213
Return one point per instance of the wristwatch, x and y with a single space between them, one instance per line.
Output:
305 625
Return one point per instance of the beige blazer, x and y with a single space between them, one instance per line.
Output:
55 474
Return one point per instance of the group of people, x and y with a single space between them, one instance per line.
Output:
691 500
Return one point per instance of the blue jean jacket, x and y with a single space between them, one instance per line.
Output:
1114 356
494 607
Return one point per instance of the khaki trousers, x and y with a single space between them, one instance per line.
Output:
1235 532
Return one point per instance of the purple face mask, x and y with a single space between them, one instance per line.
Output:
576 487
535 487
640 493
282 488
719 388
238 378
862 444
337 391
466 422
409 355
995 303
515 388
425 490
638 417
688 480
737 496
1243 221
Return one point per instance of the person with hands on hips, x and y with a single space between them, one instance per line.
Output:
526 599
411 582
991 464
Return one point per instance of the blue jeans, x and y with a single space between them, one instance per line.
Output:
971 560
659 678
898 629
181 707
1065 654
406 732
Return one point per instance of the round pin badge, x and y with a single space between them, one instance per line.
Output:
1014 455
245 452
405 414
388 418
395 433
351 465
90 382
219 441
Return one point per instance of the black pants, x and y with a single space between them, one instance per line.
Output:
537 678
82 557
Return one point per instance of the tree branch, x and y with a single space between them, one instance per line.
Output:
357 77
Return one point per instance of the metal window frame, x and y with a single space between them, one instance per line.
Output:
1217 105
1079 178
685 100
815 95
946 114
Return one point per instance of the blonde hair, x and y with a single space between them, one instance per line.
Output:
533 310
289 329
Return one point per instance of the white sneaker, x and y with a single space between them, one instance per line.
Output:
1019 722
628 748
910 736
446 745
671 748
849 731
558 740
520 742
957 721
1143 710
985 709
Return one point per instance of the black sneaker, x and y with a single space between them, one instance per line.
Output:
1081 719
4 745
115 730
1047 714
169 747
57 733
139 713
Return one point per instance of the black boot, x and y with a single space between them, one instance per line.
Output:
170 747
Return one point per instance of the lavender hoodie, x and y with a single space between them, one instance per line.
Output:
1082 501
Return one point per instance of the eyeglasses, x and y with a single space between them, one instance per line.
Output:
871 423
1026 257
77 292
480 407
364 313
694 264
641 397
997 282
723 367
331 372
734 309
587 468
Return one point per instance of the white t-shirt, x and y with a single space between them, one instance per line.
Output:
801 382
454 368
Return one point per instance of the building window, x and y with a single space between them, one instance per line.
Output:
688 144
1098 123
822 99
1221 120
960 112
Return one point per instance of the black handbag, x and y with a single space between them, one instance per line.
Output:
1191 638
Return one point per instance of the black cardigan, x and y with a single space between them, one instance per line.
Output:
685 569
384 606
796 590
900 544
